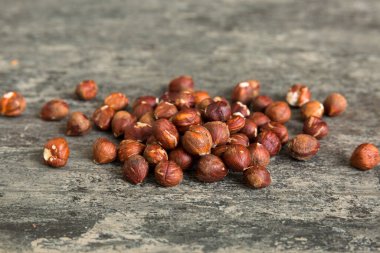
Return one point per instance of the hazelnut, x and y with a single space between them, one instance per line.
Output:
78 124
56 152
260 103
151 140
279 111
181 158
246 91
181 83
141 109
298 95
104 151
219 150
87 90
219 99
154 154
239 107
148 118
335 104
152 101
257 177
120 121
183 99
259 118
116 101
270 141
12 104
218 111
166 97
365 157
138 131
210 169
249 129
135 169
259 155
200 95
312 108
236 123
315 127
102 117
303 147
128 148
165 110
165 133
279 129
197 141
168 174
55 109
203 105
237 158
219 132
240 139
186 118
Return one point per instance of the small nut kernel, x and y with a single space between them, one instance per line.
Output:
87 90
270 141
166 134
249 129
183 99
315 127
128 148
279 111
12 104
246 91
202 106
259 118
165 110
104 151
186 118
365 157
154 154
55 109
138 131
240 139
312 108
120 121
219 150
152 101
259 154
200 95
237 158
78 124
219 132
56 152
142 109
239 107
197 141
181 83
218 111
298 95
116 101
260 103
168 174
181 158
147 118
257 177
236 123
103 116
210 169
303 147
335 104
135 169
279 129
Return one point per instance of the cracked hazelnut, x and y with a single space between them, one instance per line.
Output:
365 157
148 118
219 150
78 124
141 109
260 103
116 100
249 129
56 152
168 174
165 110
259 118
104 151
186 118
183 99
152 101
200 95
239 107
259 155
257 177
181 83
102 117
298 95
236 123
218 111
138 131
55 109
135 169
87 90
181 158
219 132
128 148
237 158
210 169
12 104
270 141
240 139
197 141
120 121
166 133
279 111
154 154
315 127
335 104
303 147
312 108
279 129
246 91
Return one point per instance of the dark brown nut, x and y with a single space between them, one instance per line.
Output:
260 103
259 154
166 133
54 110
210 169
218 111
116 100
135 169
219 150
257 177
200 95
128 148
154 154
203 105
181 158
365 157
165 110
249 129
246 91
183 99
240 139
56 152
236 123
141 109
312 108
148 118
259 118
120 121
298 95
279 129
78 124
197 141
237 158
303 147
104 151
185 118
151 140
270 141
315 127
87 90
103 116
181 83
150 100
335 104
239 107
12 104
219 132
138 131
168 174
279 111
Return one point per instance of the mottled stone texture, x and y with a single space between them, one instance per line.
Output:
136 47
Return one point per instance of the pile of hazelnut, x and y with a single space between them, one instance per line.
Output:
186 128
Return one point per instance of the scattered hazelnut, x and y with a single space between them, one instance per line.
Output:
154 154
219 150
104 151
141 109
116 101
135 169
186 118
259 118
102 117
56 152
165 133
181 83
55 109
312 108
183 99
120 121
78 124
298 95
260 103
165 110
303 147
168 174
87 90
240 139
315 127
270 141
249 129
218 111
128 148
237 158
210 169
279 129
239 107
148 118
365 157
246 91
335 104
138 131
197 141
202 106
200 95
152 101
236 123
279 111
219 132
181 158
259 155
257 177
12 104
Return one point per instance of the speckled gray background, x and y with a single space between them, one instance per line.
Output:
136 47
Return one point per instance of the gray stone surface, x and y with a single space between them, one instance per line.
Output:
136 47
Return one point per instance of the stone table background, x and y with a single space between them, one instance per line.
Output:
136 47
